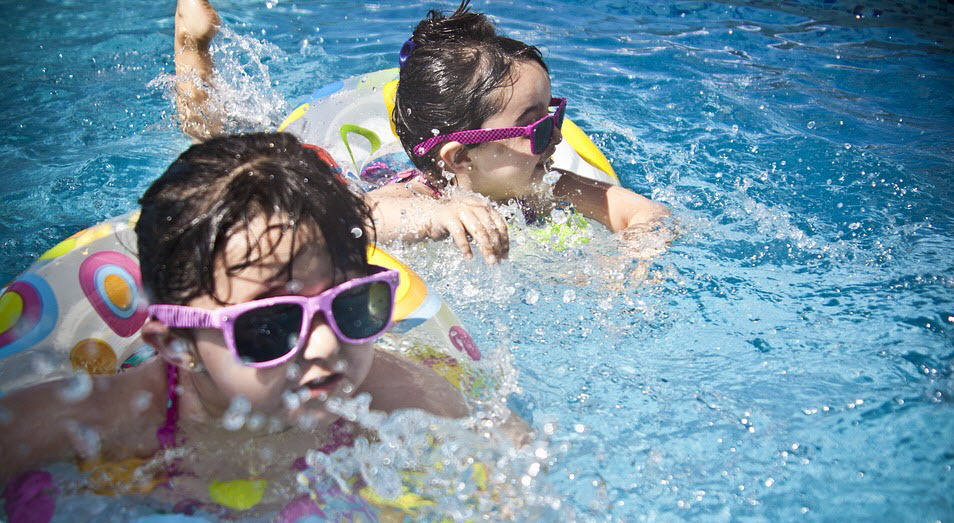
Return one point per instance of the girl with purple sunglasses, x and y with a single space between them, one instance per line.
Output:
262 295
474 110
459 215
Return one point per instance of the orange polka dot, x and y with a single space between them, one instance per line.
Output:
94 356
118 291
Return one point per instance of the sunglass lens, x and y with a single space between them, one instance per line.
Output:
560 113
363 311
268 333
542 134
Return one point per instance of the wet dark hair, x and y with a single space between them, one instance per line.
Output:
216 188
449 80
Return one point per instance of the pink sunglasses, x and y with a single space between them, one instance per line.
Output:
540 132
269 332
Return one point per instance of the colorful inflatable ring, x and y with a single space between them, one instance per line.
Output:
351 119
80 306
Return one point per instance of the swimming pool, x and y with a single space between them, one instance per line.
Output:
790 357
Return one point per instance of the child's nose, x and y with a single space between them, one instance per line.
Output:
322 343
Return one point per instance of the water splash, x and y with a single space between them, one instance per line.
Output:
241 93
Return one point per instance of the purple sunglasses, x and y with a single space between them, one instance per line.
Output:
269 332
540 132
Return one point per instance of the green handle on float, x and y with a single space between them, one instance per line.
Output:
370 135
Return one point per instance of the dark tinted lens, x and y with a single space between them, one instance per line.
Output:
560 113
268 333
541 135
363 311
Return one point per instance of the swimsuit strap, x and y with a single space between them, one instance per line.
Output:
529 214
413 175
166 434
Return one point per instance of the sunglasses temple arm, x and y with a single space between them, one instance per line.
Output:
183 317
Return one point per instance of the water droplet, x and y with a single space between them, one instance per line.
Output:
448 175
42 364
531 297
291 400
178 347
293 372
552 177
569 295
811 124
294 286
141 401
76 388
234 418
435 132
86 439
357 232
559 216
255 421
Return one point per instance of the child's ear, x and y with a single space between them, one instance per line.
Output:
456 157
171 347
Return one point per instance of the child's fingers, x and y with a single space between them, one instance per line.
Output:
459 234
497 242
500 225
478 232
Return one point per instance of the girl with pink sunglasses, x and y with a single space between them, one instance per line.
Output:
254 258
474 110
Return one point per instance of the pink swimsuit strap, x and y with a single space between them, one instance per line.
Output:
413 175
166 434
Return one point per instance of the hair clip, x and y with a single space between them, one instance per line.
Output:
406 51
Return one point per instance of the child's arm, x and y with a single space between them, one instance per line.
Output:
396 382
196 23
118 418
407 212
611 205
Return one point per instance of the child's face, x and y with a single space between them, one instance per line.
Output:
324 366
507 169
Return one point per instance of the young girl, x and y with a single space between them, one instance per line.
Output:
460 216
253 255
474 110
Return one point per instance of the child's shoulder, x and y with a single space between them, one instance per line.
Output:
397 382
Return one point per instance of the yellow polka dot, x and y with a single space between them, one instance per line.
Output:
11 308
118 291
94 356
239 494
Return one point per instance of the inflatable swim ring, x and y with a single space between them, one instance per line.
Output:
81 305
351 119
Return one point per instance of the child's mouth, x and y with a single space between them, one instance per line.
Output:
321 388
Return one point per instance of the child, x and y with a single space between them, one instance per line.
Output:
254 257
458 216
474 110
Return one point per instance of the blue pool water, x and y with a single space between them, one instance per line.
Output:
789 358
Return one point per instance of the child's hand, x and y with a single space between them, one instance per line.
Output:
407 212
646 241
466 217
